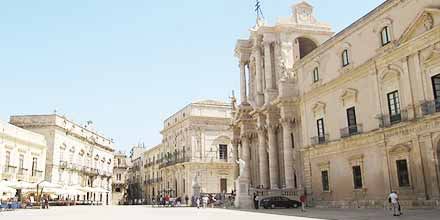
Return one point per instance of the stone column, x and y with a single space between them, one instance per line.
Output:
235 158
288 152
268 65
259 76
243 92
273 156
246 157
262 154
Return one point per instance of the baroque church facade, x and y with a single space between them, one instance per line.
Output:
344 118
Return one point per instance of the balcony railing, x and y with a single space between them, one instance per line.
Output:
319 139
431 107
351 130
10 169
390 120
172 162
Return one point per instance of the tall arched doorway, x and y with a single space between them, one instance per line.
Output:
306 46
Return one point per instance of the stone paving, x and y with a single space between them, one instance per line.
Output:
353 214
144 212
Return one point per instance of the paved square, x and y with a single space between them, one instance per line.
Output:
135 212
143 212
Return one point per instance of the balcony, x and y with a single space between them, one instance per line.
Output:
390 120
8 171
63 164
22 174
319 139
430 107
36 176
351 130
172 162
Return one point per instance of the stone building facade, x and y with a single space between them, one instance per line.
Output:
196 150
76 155
22 154
121 167
344 118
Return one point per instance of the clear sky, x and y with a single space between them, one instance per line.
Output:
128 65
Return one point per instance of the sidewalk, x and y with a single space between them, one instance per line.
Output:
353 214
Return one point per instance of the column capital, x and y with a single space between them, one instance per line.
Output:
287 122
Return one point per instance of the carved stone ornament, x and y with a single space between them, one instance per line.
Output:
428 21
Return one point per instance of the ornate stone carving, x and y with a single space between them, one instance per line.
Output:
428 21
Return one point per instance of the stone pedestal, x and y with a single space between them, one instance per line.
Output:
242 198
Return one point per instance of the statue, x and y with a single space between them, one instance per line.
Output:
428 21
241 164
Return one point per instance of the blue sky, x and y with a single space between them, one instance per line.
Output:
128 65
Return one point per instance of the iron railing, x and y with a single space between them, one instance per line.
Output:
430 107
319 139
390 120
351 130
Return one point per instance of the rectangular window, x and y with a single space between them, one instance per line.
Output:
357 177
351 121
385 36
402 173
34 166
223 152
345 58
223 185
325 182
321 131
21 164
436 88
394 107
316 74
292 139
7 161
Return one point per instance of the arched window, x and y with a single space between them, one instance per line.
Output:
345 58
385 35
315 74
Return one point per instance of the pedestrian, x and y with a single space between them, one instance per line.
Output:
205 201
393 198
256 201
303 200
198 202
186 200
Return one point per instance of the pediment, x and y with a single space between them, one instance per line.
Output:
426 20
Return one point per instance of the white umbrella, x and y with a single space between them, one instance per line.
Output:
100 190
23 185
46 184
6 189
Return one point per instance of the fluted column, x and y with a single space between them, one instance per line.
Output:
243 92
259 76
273 157
288 152
262 156
245 154
268 65
235 157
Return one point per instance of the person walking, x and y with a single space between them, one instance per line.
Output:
186 200
394 199
256 202
302 199
198 202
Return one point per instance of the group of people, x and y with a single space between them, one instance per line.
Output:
167 201
27 202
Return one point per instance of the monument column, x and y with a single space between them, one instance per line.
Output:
262 156
243 92
259 76
288 152
273 155
245 157
268 65
235 157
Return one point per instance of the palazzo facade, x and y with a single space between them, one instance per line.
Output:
196 151
344 118
76 155
22 154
